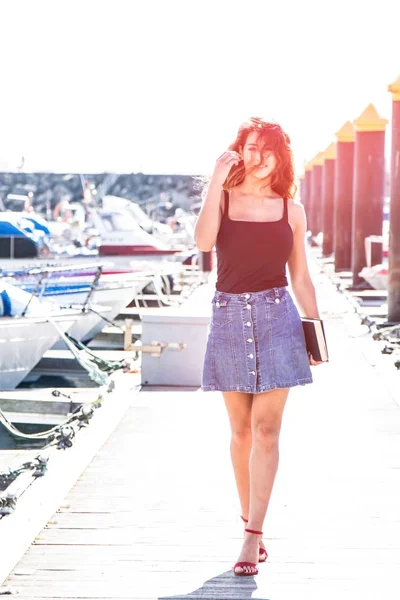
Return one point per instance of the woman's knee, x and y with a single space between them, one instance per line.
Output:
241 433
266 435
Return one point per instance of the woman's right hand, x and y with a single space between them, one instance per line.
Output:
224 164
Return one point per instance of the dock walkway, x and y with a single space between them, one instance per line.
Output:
155 515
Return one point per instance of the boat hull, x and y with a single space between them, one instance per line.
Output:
89 324
23 341
377 276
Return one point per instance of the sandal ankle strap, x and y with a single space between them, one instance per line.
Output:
243 519
254 531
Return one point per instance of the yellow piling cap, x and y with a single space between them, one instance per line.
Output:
346 133
369 120
394 88
330 152
318 160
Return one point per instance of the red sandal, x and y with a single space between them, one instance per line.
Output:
263 555
253 566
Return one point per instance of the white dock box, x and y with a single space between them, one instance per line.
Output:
185 334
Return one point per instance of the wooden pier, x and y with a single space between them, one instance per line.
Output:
155 514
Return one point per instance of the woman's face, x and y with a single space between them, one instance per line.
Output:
257 159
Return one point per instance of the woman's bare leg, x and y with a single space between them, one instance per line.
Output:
238 405
266 419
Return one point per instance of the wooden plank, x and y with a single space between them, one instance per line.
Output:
42 401
370 293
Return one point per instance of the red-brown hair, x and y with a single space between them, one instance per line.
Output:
275 140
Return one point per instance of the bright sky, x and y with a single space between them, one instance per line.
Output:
161 86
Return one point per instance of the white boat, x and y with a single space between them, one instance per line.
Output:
23 341
89 324
24 244
122 236
177 232
111 294
377 275
27 332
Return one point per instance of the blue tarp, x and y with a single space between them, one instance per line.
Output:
13 224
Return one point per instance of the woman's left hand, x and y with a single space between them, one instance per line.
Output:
314 363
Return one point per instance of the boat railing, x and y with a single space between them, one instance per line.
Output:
44 277
55 269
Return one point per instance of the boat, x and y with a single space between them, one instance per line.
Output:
121 235
377 275
28 328
177 231
24 244
98 297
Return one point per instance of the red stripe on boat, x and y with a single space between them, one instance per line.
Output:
134 251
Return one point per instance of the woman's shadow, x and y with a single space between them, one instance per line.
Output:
226 586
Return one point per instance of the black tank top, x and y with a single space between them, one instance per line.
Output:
252 255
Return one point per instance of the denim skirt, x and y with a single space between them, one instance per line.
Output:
255 343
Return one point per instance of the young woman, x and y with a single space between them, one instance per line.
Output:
256 350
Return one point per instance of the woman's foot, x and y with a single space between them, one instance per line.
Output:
248 558
263 554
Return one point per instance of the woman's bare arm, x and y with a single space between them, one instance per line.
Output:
209 219
302 285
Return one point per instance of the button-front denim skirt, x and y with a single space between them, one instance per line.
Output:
255 343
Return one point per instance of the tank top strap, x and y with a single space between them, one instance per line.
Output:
225 212
285 210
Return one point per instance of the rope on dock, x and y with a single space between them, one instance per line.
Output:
99 370
92 369
387 332
8 500
62 436
107 366
105 319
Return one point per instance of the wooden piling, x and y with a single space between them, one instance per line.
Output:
343 197
328 191
316 194
307 189
369 179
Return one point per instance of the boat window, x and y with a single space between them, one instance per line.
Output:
107 222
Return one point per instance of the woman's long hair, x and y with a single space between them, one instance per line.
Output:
275 140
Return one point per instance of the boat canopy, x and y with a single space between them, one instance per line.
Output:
21 236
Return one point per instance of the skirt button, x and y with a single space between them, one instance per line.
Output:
217 304
277 300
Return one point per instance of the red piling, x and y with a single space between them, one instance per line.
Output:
369 179
343 197
328 190
307 189
316 194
